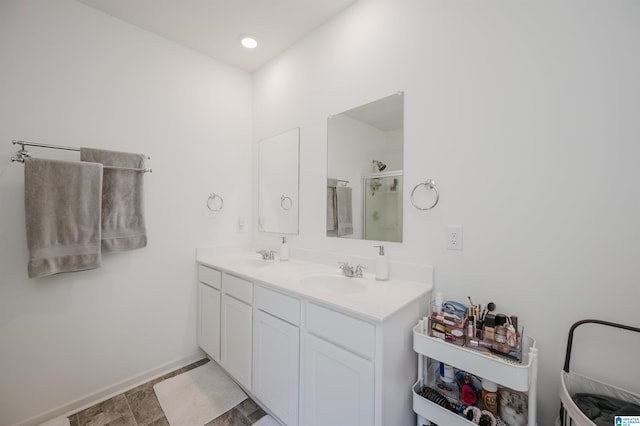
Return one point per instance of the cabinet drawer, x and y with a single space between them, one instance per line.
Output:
209 276
277 304
237 287
353 334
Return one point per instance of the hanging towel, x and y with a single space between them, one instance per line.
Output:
123 225
344 211
331 209
62 215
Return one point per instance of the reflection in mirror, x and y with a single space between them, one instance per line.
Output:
364 171
278 183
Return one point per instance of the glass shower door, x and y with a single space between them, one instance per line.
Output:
383 206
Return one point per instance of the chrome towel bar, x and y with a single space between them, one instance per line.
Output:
23 153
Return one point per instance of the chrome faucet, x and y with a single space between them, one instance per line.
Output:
349 271
267 254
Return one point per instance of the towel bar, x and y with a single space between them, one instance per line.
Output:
285 202
211 205
22 154
429 184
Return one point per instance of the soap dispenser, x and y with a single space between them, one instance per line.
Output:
382 265
284 249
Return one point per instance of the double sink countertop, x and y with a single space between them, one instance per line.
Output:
363 297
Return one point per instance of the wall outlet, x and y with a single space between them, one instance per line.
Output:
454 237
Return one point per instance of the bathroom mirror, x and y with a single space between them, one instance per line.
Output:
365 171
278 183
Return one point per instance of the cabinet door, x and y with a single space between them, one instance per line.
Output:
235 347
336 387
209 320
276 354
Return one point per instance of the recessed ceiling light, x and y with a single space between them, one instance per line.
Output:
247 41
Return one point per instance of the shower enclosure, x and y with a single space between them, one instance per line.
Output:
382 195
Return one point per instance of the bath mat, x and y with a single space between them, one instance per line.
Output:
58 421
266 421
198 396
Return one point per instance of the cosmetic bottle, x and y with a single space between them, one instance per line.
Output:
446 382
490 396
382 265
284 249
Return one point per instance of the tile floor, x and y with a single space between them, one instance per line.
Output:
140 407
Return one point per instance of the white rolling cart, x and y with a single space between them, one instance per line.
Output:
514 375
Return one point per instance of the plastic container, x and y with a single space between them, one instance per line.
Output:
490 396
446 382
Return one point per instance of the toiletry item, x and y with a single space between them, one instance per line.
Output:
438 302
284 249
489 327
471 329
513 407
446 382
500 339
490 396
382 265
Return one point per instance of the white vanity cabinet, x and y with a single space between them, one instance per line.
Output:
236 327
353 370
337 369
313 357
209 311
276 352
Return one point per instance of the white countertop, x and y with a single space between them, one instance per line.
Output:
377 301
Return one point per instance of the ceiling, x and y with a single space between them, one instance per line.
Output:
386 114
213 27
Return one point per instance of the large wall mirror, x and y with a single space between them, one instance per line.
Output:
278 183
365 171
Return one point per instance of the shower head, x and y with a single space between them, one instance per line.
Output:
380 165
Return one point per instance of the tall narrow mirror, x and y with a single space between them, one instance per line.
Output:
365 171
278 183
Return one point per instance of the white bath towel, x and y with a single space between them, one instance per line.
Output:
331 208
62 215
344 210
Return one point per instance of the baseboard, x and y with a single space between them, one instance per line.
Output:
112 390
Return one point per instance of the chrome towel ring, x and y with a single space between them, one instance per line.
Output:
212 204
429 184
286 202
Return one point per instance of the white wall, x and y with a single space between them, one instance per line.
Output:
526 115
74 76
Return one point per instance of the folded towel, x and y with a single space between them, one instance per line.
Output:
123 224
62 215
344 211
331 209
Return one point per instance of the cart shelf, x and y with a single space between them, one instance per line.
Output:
514 375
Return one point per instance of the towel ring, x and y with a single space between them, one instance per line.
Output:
285 201
211 205
429 184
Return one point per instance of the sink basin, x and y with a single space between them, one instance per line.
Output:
250 263
336 284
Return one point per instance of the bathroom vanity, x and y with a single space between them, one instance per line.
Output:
312 346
